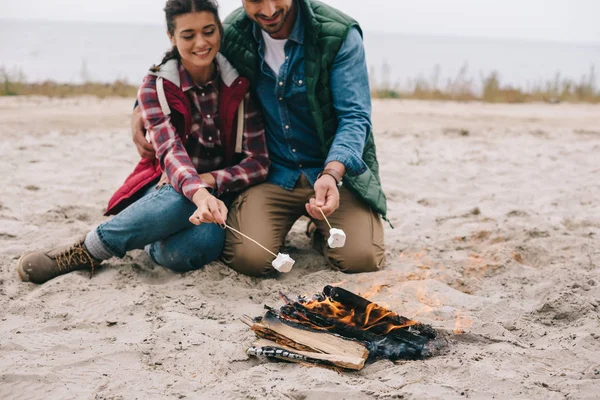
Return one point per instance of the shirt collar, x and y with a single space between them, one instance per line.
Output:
188 83
297 34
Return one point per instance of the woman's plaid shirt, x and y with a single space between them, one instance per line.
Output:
204 152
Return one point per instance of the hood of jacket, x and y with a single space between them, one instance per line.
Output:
170 71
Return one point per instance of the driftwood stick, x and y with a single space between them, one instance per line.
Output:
275 351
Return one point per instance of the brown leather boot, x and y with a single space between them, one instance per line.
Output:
38 267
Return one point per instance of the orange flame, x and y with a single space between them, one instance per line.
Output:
373 317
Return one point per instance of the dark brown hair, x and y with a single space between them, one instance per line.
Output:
175 8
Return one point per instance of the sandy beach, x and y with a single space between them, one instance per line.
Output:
497 235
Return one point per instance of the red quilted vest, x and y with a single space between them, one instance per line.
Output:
147 171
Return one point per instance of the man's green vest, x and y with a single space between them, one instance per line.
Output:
325 31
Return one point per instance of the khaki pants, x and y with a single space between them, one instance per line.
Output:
267 212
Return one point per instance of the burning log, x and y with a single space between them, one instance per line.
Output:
337 327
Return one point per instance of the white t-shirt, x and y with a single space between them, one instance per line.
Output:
274 52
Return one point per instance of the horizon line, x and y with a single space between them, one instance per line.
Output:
428 35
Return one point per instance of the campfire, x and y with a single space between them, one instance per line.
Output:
338 328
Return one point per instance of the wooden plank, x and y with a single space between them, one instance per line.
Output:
266 333
354 363
323 342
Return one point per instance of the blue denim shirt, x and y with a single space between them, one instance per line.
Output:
292 139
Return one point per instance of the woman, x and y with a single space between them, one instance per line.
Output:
209 142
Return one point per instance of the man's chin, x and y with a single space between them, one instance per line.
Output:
271 29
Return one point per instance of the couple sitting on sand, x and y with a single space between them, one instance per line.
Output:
206 162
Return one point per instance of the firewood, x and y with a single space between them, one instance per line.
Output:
269 348
338 328
407 340
299 343
323 342
263 332
398 344
361 304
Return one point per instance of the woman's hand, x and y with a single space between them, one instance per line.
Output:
210 209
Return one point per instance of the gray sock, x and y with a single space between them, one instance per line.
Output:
95 246
148 250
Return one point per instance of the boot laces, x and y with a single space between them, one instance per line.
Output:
75 256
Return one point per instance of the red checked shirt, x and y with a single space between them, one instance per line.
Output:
204 152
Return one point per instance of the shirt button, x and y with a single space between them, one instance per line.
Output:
286 57
280 83
281 99
210 138
293 150
299 165
300 82
208 116
203 94
287 127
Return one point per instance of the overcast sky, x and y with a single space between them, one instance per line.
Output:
551 20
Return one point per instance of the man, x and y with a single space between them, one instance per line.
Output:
306 63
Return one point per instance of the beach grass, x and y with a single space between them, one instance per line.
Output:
462 87
489 88
15 84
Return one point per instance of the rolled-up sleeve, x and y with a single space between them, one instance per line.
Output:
170 151
352 104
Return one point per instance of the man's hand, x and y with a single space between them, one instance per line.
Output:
138 134
210 209
327 198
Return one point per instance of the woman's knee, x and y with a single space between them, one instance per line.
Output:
184 252
181 261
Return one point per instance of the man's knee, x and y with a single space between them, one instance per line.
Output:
357 260
248 260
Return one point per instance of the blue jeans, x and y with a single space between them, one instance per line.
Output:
160 219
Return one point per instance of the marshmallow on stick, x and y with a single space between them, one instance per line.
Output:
337 237
282 262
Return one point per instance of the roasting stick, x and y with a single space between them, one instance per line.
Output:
282 262
326 220
249 238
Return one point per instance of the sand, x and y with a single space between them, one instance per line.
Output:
497 226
